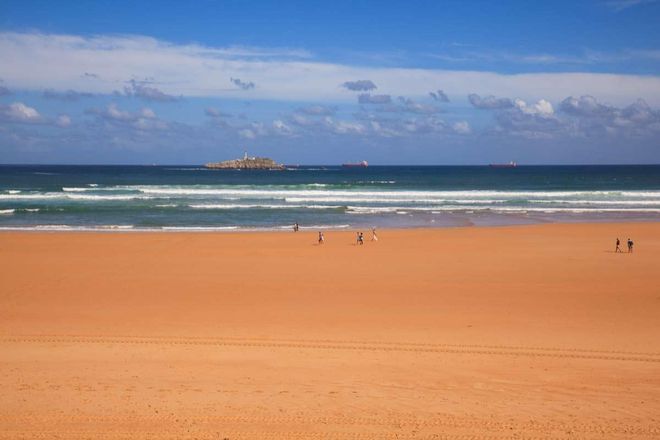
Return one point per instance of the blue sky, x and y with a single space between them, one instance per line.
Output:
324 82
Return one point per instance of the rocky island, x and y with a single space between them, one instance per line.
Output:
247 163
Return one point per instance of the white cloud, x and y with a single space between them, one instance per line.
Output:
193 70
19 112
345 127
63 121
113 112
542 107
582 116
303 121
215 113
462 127
280 127
147 113
246 133
532 121
593 117
145 119
584 106
408 105
140 89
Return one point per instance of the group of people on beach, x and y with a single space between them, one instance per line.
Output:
618 246
360 235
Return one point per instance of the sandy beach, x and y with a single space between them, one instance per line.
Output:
536 332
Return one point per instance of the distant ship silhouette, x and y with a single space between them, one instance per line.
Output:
511 164
362 164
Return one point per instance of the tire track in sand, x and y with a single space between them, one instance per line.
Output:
320 344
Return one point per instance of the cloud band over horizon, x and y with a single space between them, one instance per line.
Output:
105 64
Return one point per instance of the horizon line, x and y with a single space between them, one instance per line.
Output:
330 165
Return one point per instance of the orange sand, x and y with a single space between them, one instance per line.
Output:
508 332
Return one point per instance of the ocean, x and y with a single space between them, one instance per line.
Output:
163 198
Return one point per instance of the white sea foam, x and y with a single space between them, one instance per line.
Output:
600 202
379 194
68 189
325 227
75 196
122 227
574 210
199 228
28 196
260 206
57 227
363 200
71 228
511 209
415 200
106 197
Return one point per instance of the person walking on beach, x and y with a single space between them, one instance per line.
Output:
374 237
321 238
360 238
618 248
630 246
295 227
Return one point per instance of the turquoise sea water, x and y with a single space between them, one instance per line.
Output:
194 198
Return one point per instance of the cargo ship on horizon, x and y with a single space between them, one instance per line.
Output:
362 164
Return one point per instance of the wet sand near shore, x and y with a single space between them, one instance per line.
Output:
488 333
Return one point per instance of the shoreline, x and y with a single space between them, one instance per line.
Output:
119 229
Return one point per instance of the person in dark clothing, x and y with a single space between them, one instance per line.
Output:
618 243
